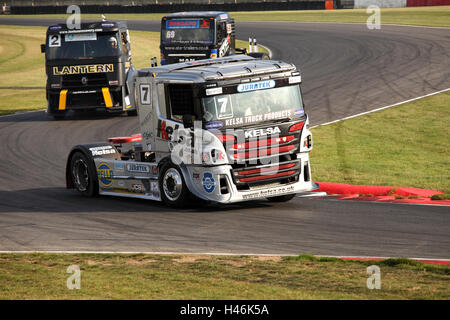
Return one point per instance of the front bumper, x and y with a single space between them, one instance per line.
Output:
216 183
109 98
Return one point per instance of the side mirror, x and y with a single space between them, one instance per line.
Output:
188 121
42 48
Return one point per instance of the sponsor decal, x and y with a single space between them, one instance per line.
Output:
137 188
182 24
84 92
299 112
229 28
147 135
208 182
260 85
259 117
103 150
223 16
93 68
205 24
139 168
224 49
118 166
164 130
80 31
214 125
261 132
89 36
268 193
213 54
105 174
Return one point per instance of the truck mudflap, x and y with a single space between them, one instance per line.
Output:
216 184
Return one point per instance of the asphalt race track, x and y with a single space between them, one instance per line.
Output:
346 69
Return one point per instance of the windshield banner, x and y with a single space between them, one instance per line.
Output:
259 117
182 24
244 87
80 37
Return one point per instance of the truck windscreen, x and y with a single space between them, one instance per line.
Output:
187 31
255 105
82 45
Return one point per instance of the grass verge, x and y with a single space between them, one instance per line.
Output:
407 145
438 16
119 276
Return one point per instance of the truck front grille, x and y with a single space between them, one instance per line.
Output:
91 80
265 161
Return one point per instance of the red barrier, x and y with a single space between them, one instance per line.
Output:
422 3
380 193
329 5
342 188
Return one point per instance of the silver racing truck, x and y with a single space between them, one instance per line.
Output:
223 130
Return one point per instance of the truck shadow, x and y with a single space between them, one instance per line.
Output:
62 200
41 116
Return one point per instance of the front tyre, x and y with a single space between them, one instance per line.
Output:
83 175
284 198
173 188
132 113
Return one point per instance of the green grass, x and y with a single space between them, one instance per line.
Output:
407 145
425 16
108 276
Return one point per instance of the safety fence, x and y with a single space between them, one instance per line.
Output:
357 4
163 6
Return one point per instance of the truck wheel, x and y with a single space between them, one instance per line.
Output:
284 198
173 188
259 55
132 113
83 175
58 115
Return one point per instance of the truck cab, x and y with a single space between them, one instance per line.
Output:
87 68
189 36
223 130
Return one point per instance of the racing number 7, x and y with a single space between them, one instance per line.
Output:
145 93
224 111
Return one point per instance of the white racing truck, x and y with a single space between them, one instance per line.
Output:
223 130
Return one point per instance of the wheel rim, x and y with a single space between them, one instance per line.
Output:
172 184
80 175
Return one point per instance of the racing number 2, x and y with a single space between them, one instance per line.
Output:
145 93
54 40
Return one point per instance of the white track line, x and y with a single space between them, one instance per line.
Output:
268 49
211 254
382 108
21 112
348 23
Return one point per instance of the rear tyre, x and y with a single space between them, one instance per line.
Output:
259 55
58 115
172 186
83 175
284 198
132 113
